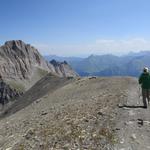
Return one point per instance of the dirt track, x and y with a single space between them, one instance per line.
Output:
133 122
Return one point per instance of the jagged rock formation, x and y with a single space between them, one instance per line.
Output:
21 66
7 93
23 63
63 69
19 59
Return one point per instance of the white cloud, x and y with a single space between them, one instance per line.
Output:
100 46
122 46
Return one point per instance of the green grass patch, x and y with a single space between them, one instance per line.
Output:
42 72
18 86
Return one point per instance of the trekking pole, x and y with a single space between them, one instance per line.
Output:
140 95
140 92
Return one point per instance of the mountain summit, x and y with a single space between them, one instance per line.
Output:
22 64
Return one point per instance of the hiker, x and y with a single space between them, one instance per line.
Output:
144 80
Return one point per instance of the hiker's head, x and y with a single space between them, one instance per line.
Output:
145 70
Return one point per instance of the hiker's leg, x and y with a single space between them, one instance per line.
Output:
148 95
144 97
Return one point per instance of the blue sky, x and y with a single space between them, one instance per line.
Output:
77 27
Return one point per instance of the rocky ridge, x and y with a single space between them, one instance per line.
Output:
70 117
67 116
63 68
23 64
18 60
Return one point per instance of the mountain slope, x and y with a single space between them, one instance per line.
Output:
19 59
70 117
96 63
23 65
47 84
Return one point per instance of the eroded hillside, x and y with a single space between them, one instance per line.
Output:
82 114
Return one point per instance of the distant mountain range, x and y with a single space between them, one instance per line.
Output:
61 59
108 65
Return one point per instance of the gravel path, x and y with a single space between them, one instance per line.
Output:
133 127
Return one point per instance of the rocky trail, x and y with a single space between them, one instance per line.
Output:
133 126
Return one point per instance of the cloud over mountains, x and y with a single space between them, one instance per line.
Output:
99 46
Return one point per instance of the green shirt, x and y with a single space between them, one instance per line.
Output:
144 80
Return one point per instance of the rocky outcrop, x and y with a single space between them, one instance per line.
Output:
21 66
18 60
23 63
63 69
7 93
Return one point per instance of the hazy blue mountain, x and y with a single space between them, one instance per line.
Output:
141 53
96 63
61 59
110 65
